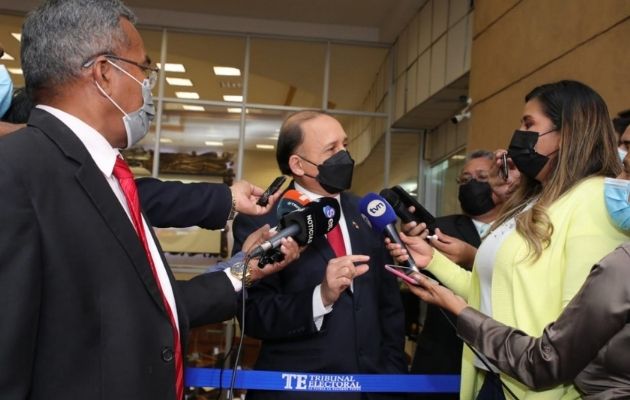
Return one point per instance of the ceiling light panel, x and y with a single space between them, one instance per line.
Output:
172 67
7 57
265 146
178 81
187 95
188 107
229 97
17 36
15 71
226 71
211 143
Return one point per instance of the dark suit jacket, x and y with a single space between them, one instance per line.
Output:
364 333
177 204
82 317
439 349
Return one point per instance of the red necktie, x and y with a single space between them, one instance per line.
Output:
335 239
128 185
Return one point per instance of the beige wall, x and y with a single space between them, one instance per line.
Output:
260 167
431 52
521 44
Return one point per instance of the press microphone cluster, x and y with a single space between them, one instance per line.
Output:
315 219
291 200
383 219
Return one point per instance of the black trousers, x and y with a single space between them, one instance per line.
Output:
491 388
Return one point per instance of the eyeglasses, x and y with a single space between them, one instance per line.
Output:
465 178
151 73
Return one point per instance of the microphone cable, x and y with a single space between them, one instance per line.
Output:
225 358
480 357
240 342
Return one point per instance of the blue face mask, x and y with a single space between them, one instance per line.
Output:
622 153
616 193
6 90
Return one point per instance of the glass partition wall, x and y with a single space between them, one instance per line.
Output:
221 98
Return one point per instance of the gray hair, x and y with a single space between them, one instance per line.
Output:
480 154
61 35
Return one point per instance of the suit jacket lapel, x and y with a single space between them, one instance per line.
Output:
96 187
467 228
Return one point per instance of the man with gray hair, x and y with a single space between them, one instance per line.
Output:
438 348
90 308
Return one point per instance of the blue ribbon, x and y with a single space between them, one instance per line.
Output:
307 382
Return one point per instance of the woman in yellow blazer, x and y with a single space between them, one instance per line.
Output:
552 230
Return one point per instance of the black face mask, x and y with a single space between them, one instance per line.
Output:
476 198
522 153
335 174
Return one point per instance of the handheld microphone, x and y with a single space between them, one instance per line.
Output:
399 207
400 201
291 200
315 219
383 219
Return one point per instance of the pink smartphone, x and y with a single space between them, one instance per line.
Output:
397 270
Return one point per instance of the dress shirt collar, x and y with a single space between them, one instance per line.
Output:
103 154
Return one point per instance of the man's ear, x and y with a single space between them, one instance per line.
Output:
295 164
101 73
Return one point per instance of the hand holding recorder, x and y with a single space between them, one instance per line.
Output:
246 196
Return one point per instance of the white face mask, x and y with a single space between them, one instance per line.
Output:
622 153
137 123
616 197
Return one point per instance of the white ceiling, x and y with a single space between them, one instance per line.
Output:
361 20
368 13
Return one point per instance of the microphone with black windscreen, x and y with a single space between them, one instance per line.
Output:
291 200
400 201
399 207
383 219
315 219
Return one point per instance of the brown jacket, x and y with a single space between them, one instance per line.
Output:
589 343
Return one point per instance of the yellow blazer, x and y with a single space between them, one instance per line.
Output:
529 295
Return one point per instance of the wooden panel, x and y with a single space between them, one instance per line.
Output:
530 35
462 133
451 137
401 53
598 63
440 18
457 10
469 40
412 40
412 98
399 108
438 65
424 27
489 11
456 43
423 77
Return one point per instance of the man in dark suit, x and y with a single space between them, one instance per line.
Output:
321 313
438 348
90 309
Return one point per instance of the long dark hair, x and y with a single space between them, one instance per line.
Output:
588 147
